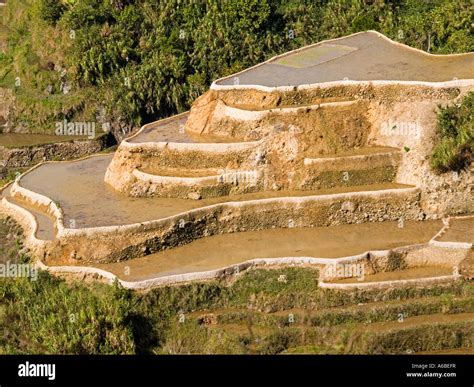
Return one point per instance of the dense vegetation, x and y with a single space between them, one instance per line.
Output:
262 311
250 315
11 241
128 61
456 136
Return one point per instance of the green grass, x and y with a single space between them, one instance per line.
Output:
54 316
50 316
11 242
251 315
455 124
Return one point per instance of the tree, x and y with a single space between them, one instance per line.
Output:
51 10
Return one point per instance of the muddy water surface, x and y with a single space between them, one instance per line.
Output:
460 230
87 201
224 250
172 130
46 223
372 58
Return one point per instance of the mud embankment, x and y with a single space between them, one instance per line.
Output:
22 157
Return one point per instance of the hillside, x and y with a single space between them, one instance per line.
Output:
123 63
301 183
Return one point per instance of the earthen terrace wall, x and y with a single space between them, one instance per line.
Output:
115 243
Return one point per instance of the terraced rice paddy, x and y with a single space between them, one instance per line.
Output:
220 251
172 130
80 190
460 230
360 57
285 319
412 273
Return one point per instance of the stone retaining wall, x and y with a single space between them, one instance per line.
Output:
121 173
253 123
376 261
115 243
349 171
396 114
107 244
11 158
81 271
195 188
369 259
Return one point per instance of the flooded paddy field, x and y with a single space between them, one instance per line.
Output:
219 251
172 130
460 230
411 273
361 57
80 190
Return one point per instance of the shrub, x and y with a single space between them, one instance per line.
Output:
51 11
456 136
149 59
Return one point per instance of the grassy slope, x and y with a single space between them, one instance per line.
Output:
168 71
257 313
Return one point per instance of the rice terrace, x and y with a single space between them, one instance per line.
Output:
312 195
